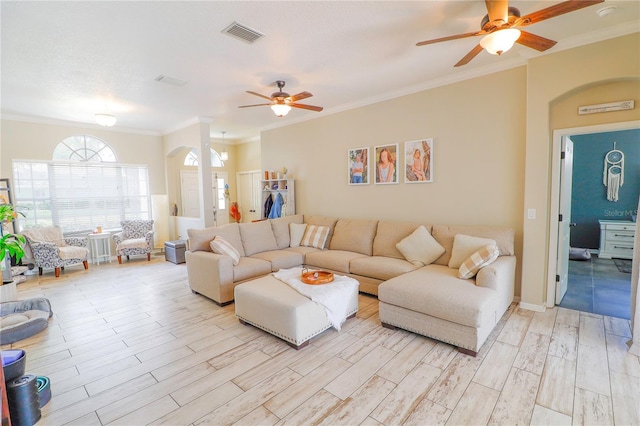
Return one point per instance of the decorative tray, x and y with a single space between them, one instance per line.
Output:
316 277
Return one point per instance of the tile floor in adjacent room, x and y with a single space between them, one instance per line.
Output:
131 345
598 286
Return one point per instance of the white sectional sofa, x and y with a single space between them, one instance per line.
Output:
430 300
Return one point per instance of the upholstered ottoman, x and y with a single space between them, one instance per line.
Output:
278 309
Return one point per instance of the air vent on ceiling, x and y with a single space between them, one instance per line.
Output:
242 32
170 80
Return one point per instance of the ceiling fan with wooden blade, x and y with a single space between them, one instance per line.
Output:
499 28
281 102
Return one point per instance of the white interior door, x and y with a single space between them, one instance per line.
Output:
191 195
564 224
249 195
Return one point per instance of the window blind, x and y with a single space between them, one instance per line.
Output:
79 197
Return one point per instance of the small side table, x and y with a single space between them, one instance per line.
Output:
100 246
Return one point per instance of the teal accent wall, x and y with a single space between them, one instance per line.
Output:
589 196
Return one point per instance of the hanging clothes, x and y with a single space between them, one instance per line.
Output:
613 174
267 206
276 208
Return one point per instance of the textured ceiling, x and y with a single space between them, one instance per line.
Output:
69 60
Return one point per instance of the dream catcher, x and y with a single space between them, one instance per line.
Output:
613 174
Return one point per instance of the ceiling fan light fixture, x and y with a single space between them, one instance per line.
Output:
106 120
500 41
281 109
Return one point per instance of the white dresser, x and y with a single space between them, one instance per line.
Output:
616 239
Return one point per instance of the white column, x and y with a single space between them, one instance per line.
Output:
204 174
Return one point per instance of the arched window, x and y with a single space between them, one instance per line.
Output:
82 188
191 159
84 148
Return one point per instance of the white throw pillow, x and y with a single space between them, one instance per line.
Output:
420 248
296 232
221 246
315 236
464 246
478 260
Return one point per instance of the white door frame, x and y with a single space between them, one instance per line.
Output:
554 209
221 216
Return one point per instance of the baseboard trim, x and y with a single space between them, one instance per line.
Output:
532 307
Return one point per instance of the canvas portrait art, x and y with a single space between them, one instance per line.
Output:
386 167
358 166
418 160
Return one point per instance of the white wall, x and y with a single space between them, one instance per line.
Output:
492 153
35 141
551 78
479 140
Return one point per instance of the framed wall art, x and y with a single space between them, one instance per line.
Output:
358 166
386 167
418 160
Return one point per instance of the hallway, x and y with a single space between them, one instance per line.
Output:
598 286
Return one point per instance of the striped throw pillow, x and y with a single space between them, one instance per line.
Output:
478 260
315 236
221 246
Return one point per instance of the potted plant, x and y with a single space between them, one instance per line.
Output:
11 244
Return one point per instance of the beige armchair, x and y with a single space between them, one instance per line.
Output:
135 238
51 250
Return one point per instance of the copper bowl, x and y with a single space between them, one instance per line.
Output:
316 277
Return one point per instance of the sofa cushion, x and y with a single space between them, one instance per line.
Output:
354 235
296 231
257 237
478 260
436 290
391 233
381 268
302 250
73 252
250 267
280 259
336 260
199 239
280 228
420 248
315 236
221 246
464 246
322 221
49 234
445 234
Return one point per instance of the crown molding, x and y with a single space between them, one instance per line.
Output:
600 35
513 62
187 123
76 124
521 60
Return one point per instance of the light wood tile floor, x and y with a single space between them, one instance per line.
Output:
131 345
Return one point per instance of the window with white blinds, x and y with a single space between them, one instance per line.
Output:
79 196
